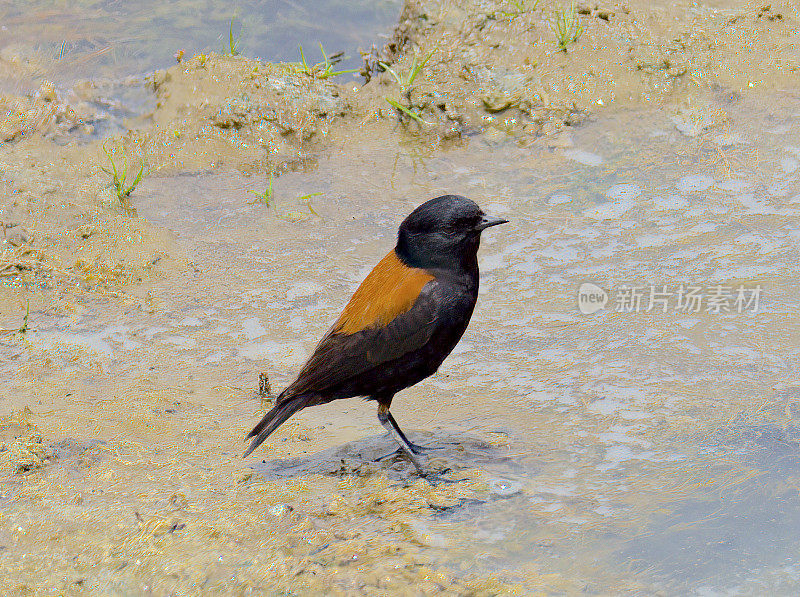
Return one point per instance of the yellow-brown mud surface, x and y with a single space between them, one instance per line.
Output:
576 444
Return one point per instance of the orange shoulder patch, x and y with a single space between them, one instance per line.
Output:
389 290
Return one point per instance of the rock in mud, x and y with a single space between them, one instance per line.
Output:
16 235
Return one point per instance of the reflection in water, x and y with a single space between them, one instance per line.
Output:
66 42
98 53
642 448
740 529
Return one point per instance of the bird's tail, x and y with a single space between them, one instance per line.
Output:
272 420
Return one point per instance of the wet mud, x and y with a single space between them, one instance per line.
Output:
643 448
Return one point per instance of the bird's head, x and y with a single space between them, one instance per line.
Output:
443 233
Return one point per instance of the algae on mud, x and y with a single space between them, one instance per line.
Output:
139 356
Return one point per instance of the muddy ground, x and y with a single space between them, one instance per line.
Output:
490 67
75 470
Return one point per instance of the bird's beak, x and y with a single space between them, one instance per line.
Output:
488 221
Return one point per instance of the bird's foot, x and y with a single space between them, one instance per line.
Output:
415 448
408 456
390 455
418 449
434 476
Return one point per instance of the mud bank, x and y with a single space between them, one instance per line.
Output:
484 67
501 62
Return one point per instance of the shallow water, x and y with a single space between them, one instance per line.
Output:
67 42
643 447
98 53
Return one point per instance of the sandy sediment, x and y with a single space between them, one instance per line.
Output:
68 238
486 66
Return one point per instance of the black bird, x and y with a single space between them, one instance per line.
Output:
401 323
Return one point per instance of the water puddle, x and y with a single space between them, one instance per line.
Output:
97 55
642 438
112 40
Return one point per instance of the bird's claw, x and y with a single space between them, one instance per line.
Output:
418 449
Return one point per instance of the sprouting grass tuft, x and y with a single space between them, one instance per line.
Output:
299 216
567 27
518 7
119 179
406 83
324 69
307 199
406 80
233 44
24 328
266 196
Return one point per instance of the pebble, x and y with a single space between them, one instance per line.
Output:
16 236
280 510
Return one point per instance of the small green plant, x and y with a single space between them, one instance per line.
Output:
233 44
567 27
120 179
266 196
407 111
517 7
24 328
406 83
297 216
406 80
307 199
324 69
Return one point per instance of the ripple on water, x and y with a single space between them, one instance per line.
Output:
253 328
694 183
610 417
609 211
583 157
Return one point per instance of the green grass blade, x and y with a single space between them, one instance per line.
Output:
416 68
136 181
303 58
113 165
24 327
405 110
335 73
386 67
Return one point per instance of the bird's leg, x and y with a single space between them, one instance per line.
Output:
416 448
388 423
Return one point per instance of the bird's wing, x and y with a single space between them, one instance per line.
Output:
392 313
